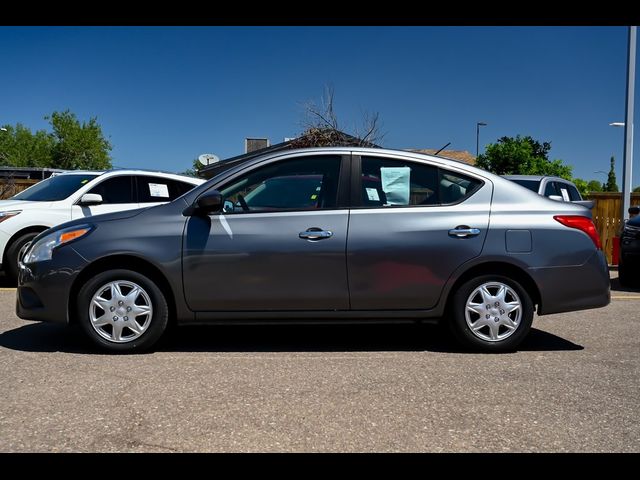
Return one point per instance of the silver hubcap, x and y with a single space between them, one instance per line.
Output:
120 311
493 311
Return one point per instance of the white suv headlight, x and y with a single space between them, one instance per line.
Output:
43 248
8 214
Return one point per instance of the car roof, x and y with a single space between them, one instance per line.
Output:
136 171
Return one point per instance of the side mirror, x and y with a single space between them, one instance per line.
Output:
557 198
89 199
210 202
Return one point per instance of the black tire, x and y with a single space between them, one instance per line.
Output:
11 258
157 323
622 275
462 331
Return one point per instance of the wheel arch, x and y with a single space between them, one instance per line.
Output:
127 262
498 268
18 234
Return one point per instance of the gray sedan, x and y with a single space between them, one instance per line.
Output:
340 234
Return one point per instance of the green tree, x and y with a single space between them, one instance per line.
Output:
637 189
70 145
585 187
78 145
594 186
522 156
194 171
21 148
612 185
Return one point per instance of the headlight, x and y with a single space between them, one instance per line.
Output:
43 248
9 214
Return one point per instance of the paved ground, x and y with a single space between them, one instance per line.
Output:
574 386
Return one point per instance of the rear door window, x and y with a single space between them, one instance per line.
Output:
157 189
389 182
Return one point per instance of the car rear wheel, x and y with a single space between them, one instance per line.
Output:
491 313
122 311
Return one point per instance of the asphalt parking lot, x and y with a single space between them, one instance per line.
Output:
573 387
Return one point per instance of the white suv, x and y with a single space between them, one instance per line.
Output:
77 194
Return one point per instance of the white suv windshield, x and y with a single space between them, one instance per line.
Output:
54 188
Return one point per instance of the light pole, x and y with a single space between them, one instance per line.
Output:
628 125
478 125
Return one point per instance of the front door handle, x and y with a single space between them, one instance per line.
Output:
315 233
464 231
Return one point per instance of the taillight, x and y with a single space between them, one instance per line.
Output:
581 223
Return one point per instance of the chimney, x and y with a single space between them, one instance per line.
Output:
253 144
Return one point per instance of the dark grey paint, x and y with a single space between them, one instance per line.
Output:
396 262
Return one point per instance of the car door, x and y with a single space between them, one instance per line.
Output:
412 225
278 245
117 194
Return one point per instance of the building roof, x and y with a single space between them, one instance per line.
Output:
210 170
460 155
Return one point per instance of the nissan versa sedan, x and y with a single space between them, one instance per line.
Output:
347 234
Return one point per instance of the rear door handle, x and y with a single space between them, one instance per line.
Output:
315 233
463 231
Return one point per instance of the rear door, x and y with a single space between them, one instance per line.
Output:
412 225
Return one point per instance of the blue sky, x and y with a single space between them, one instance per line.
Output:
163 95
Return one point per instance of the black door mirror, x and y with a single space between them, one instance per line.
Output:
210 202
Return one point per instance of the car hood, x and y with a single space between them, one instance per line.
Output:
21 205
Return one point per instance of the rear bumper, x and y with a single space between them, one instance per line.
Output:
570 288
44 287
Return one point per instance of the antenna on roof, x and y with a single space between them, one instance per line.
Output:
442 148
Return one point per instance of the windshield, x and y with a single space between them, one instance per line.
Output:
530 184
54 188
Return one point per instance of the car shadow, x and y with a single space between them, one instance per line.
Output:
43 337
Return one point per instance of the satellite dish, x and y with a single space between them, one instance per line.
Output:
208 158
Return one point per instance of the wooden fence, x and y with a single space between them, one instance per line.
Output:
11 186
606 216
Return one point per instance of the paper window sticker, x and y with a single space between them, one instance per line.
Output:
372 194
159 190
396 184
565 194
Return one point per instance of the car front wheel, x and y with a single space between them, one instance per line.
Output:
491 313
122 311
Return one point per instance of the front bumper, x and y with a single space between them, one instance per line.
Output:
44 288
573 287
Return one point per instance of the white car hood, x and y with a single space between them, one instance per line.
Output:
21 205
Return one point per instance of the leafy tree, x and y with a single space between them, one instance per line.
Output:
70 145
594 186
194 171
612 185
78 145
522 156
21 148
637 189
585 187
